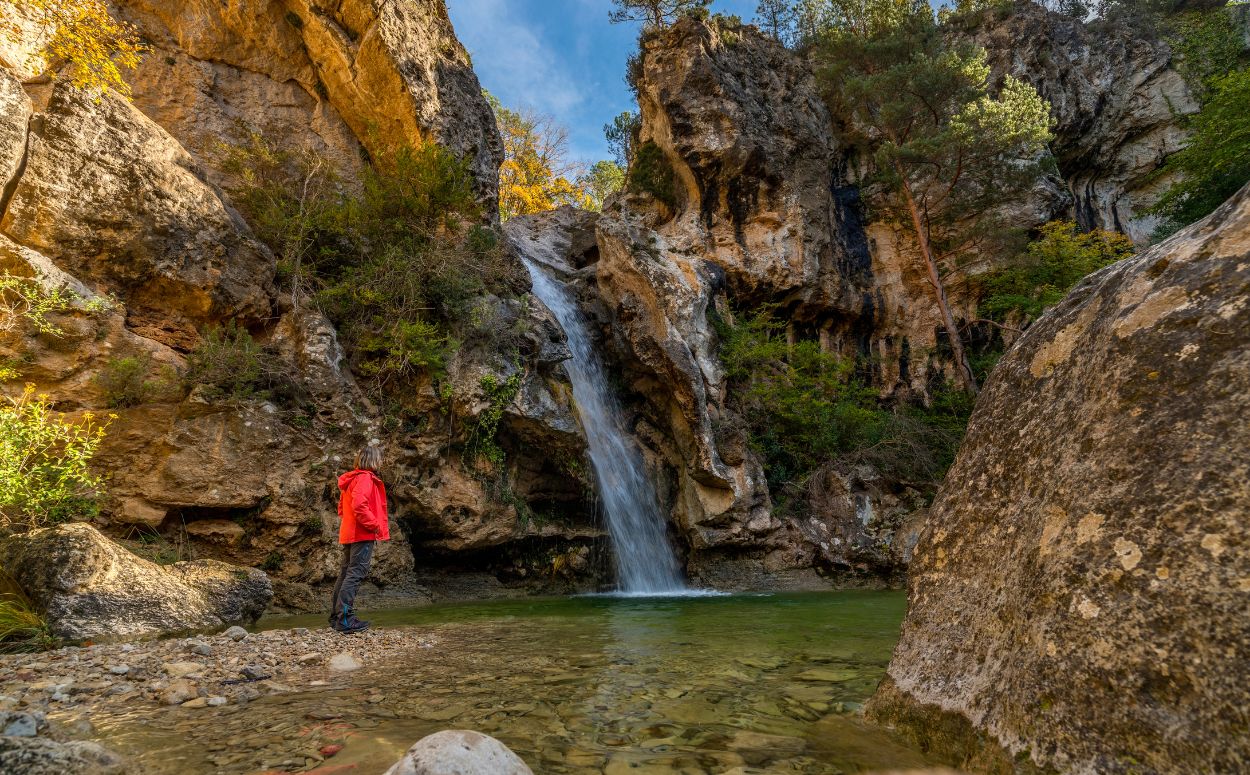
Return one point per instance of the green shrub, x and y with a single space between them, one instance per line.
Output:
1044 273
227 360
396 264
45 475
652 173
483 443
230 364
130 381
272 562
803 408
1207 44
25 298
1216 163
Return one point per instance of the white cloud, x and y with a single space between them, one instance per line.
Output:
512 60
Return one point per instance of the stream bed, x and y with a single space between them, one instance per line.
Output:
766 683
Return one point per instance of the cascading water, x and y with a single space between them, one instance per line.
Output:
645 562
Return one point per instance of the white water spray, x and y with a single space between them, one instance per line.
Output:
645 561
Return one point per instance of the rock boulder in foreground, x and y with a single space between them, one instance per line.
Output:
459 752
1081 595
91 588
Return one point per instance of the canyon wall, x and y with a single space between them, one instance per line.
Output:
769 208
124 202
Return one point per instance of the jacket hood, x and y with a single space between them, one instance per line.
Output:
346 479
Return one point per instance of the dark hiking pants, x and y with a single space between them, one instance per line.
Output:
356 557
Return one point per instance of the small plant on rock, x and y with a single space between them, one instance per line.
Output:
25 299
229 362
134 380
45 475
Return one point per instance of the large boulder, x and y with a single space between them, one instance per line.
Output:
459 752
1079 596
91 588
109 196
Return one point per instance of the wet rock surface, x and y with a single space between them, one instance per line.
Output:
1078 596
89 587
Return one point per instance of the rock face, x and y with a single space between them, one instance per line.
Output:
1117 100
1107 633
459 752
767 210
90 588
99 178
126 202
343 80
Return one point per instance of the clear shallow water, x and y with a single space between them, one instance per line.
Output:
579 685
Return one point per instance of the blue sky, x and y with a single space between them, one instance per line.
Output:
558 57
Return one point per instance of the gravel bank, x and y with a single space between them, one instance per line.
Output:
206 671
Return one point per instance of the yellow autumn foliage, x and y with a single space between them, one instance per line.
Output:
536 174
80 36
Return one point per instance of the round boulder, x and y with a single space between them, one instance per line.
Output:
459 752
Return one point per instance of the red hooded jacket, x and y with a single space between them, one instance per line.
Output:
362 508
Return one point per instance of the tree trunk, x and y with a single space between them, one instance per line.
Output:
966 378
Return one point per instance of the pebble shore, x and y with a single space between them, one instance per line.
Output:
212 670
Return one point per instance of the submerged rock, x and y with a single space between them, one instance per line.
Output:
40 756
459 752
1080 594
90 587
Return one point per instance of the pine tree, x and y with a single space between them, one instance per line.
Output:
778 18
946 150
654 13
621 135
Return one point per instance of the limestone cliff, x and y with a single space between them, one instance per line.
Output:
1108 634
122 202
768 208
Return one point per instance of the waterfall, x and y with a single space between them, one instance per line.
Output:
645 562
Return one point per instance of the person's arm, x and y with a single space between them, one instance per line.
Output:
361 488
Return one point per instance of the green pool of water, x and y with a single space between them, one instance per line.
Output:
767 683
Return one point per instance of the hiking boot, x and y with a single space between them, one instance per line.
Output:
352 625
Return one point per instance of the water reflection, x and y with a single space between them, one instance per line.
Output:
594 685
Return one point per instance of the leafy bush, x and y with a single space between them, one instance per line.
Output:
1207 43
396 264
483 443
26 299
229 362
652 173
803 407
129 381
1050 266
45 475
1216 163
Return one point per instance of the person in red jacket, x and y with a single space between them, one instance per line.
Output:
362 523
